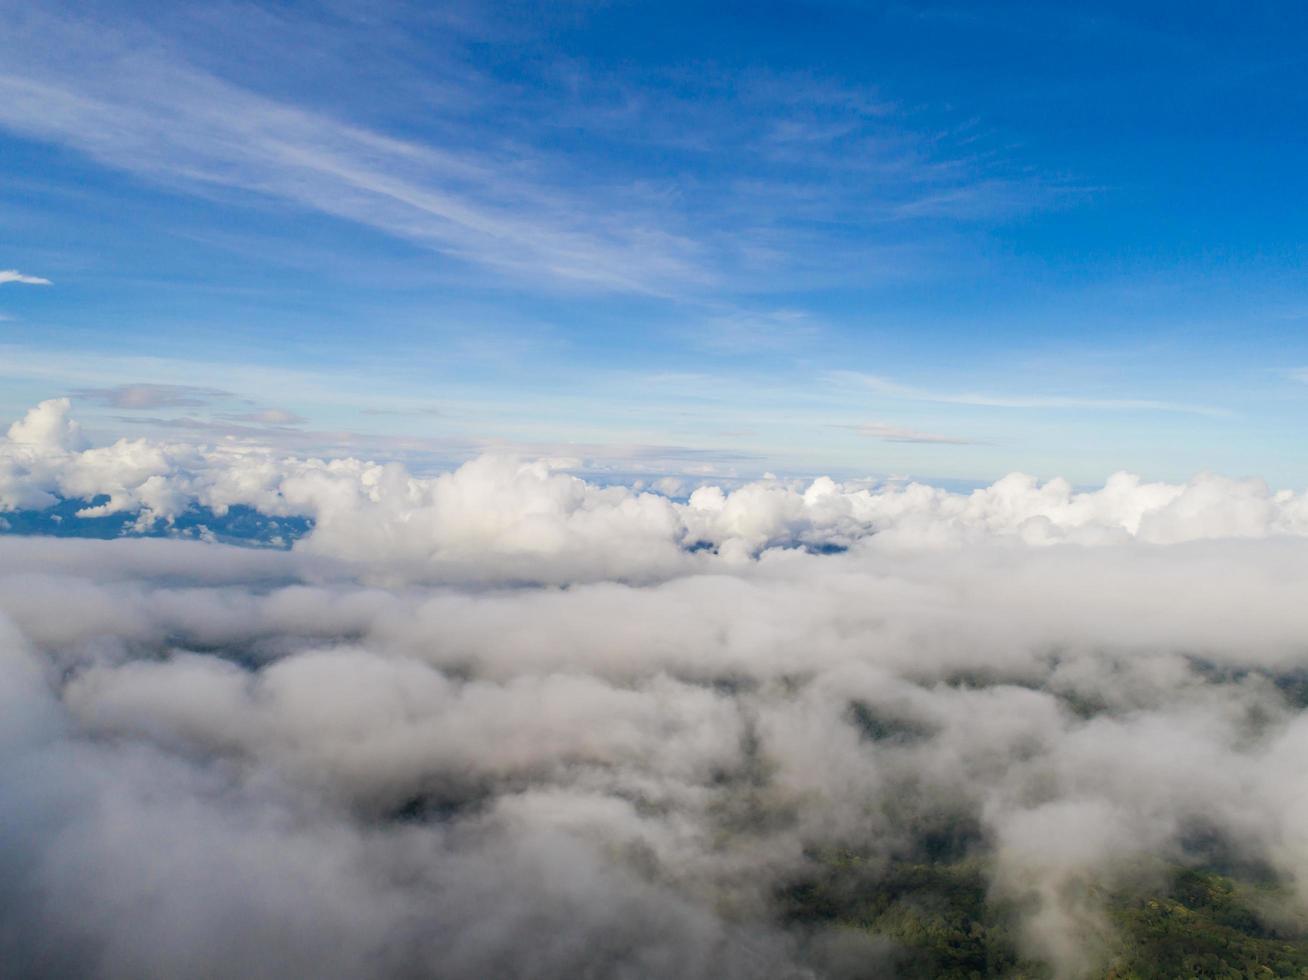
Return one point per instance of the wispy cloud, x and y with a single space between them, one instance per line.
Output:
13 275
735 203
894 389
745 331
152 396
402 411
421 452
144 396
268 416
142 109
898 433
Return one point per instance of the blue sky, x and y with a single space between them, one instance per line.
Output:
947 241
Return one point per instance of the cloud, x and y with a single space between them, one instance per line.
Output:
269 416
741 332
47 427
502 722
894 389
13 275
896 433
270 762
500 518
136 107
152 396
770 163
399 411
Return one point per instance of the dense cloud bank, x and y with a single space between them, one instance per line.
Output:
500 519
386 752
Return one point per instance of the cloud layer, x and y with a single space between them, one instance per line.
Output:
503 722
500 518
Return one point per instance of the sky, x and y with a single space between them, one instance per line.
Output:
506 489
929 240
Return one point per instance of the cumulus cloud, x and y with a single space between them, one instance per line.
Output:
47 429
13 275
503 722
504 519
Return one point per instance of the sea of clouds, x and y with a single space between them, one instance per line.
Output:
502 722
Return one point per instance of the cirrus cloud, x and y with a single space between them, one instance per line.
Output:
13 275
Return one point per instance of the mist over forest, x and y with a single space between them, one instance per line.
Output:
503 722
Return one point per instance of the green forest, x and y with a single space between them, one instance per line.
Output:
941 922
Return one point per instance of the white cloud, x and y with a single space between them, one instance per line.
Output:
894 389
498 518
502 721
257 759
13 275
802 154
47 428
123 99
